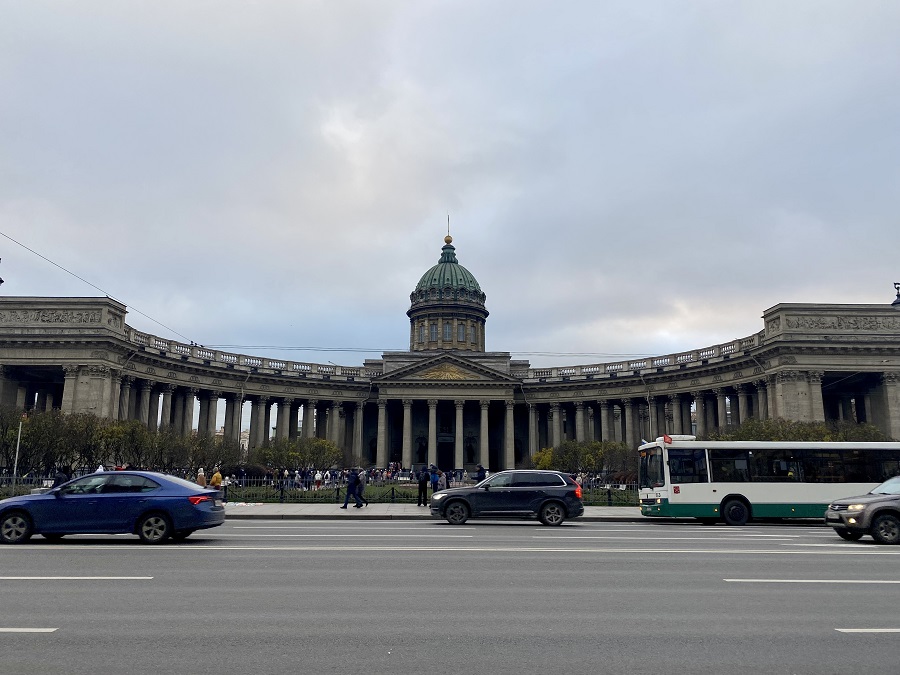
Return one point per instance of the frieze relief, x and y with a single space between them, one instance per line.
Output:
49 316
101 354
151 371
447 371
787 361
195 378
871 324
774 325
217 381
172 375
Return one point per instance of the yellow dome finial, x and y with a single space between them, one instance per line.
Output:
448 239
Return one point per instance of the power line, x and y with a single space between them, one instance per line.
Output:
94 286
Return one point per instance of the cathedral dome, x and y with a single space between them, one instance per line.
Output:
447 307
449 274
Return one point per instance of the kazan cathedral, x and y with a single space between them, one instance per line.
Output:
447 401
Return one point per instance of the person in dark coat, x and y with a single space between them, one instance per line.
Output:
60 477
424 479
480 473
352 489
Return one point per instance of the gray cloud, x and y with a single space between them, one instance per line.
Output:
622 178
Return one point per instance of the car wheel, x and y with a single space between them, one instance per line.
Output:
848 535
735 512
456 513
15 528
181 535
52 536
886 529
154 528
552 513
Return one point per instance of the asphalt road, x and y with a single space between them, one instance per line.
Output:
426 597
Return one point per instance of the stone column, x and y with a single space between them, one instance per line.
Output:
381 447
554 419
203 419
153 413
213 412
890 384
358 417
532 429
267 421
124 397
677 414
817 406
329 421
628 429
293 423
282 425
230 405
178 397
70 384
432 430
407 434
721 408
509 436
165 421
483 441
458 445
605 427
146 392
743 398
579 421
341 432
772 394
309 418
190 396
700 412
762 392
590 431
255 422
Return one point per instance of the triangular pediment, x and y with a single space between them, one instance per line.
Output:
446 368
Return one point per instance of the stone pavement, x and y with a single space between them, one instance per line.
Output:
241 510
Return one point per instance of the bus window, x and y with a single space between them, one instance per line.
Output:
779 466
823 466
729 465
651 468
687 465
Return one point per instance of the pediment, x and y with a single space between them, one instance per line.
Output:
446 368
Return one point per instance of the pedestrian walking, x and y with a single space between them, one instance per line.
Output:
361 488
424 479
352 485
442 480
201 478
318 479
480 473
435 476
215 481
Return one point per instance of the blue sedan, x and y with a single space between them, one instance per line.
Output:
152 505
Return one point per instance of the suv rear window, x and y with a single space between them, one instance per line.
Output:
523 479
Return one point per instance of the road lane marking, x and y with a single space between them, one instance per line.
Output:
75 578
811 581
771 537
868 630
339 536
28 630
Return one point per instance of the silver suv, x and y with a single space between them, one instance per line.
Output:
876 514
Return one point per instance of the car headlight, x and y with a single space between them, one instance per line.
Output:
856 507
438 495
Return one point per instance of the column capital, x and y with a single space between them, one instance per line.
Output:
127 379
213 393
890 378
484 404
579 404
510 403
70 371
432 403
815 376
313 402
459 404
604 404
407 402
382 403
147 385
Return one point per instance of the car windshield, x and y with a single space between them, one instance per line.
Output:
888 487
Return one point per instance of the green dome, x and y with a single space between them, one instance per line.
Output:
448 273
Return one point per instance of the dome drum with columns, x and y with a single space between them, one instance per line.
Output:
447 401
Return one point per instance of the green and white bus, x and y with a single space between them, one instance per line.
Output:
736 481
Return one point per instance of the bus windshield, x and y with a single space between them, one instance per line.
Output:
651 469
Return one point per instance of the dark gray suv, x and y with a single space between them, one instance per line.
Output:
551 496
876 514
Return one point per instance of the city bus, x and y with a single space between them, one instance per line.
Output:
736 481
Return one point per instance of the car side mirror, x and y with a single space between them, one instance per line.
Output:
487 486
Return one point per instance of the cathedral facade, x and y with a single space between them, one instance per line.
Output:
447 401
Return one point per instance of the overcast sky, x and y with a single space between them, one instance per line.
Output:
622 178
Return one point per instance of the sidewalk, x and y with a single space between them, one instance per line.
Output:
246 511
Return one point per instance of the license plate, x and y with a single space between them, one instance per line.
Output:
218 502
832 516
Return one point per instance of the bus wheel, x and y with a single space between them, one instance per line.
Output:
735 512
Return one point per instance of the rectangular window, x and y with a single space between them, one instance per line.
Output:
448 331
687 465
421 332
433 332
473 334
729 466
460 332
